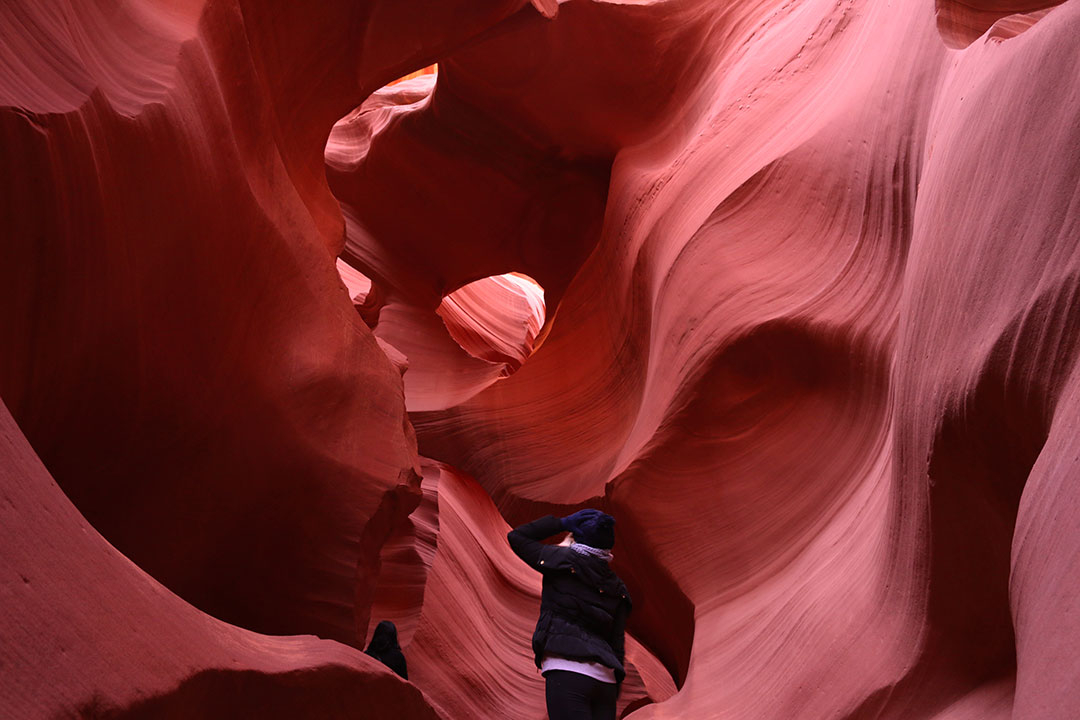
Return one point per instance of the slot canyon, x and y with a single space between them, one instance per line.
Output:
305 305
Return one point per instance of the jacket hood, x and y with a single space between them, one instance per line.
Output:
384 638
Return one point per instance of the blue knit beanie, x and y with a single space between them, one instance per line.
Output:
597 530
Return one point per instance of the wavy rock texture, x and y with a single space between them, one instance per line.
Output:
961 22
496 319
995 421
178 347
87 634
479 613
527 210
728 370
808 327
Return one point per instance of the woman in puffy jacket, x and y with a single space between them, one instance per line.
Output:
578 643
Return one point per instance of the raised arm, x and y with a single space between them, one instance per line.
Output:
525 542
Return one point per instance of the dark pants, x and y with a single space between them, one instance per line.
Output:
573 696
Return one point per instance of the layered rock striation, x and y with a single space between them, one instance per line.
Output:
791 289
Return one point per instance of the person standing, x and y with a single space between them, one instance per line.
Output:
579 639
384 648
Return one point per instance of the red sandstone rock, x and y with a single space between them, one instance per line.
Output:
85 633
729 371
401 581
495 319
513 205
727 346
177 343
987 405
961 22
811 283
471 649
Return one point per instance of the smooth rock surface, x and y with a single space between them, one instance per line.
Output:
813 363
178 346
805 319
471 648
85 633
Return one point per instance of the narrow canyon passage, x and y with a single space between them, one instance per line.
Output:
304 307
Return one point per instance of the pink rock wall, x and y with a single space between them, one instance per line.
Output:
809 328
478 616
178 347
88 634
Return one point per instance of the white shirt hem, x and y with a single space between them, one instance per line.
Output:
597 671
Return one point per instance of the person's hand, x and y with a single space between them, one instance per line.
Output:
570 522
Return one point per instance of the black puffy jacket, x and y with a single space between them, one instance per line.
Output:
584 604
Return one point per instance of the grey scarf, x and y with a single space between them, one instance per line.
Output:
589 550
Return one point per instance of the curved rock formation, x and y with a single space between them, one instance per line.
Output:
718 372
496 319
479 614
988 396
87 634
961 22
808 327
177 345
725 372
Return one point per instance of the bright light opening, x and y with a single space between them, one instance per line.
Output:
497 318
429 70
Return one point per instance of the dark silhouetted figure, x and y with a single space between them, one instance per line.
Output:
384 648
